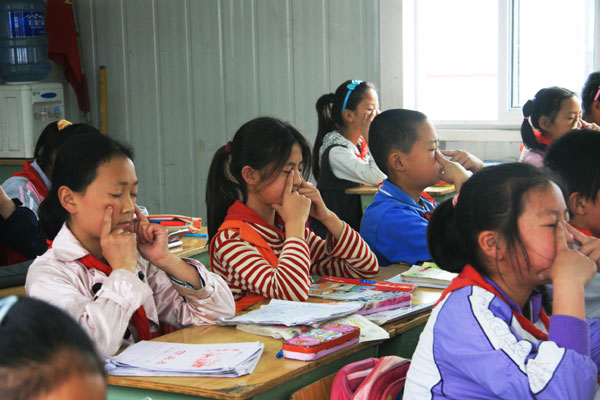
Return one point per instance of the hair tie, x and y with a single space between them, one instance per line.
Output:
597 94
228 147
62 124
455 200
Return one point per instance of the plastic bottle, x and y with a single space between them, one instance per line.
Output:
23 41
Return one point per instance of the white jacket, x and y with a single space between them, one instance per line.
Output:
58 278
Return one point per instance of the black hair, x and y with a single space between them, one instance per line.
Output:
265 145
574 157
590 88
41 347
547 102
492 199
77 161
393 129
329 113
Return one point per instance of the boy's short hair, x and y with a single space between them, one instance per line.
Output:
393 129
574 157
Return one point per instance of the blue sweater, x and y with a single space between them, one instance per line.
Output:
395 226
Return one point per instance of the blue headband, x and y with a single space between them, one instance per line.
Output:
351 86
6 304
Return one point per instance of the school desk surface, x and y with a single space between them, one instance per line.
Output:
273 378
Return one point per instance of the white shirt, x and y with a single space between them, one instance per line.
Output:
345 164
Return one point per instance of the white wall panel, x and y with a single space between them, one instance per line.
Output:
183 75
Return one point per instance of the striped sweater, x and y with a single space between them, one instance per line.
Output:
245 270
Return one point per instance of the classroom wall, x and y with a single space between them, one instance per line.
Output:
183 75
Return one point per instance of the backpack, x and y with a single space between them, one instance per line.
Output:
371 379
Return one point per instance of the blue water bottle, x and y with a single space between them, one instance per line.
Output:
23 41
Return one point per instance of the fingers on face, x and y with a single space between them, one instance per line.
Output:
560 236
107 221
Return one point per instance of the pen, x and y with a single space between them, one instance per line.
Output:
197 234
280 354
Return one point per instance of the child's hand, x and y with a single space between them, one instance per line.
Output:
294 208
570 265
118 246
366 123
319 211
589 125
452 171
588 246
467 160
152 240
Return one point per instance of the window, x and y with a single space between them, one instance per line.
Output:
473 62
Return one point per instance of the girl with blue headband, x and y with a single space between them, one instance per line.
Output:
341 154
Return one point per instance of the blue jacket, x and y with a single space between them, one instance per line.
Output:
473 347
395 226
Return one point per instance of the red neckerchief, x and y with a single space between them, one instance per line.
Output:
428 197
363 147
140 319
540 138
470 277
585 231
30 173
238 211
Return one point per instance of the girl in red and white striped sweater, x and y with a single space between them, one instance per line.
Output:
258 204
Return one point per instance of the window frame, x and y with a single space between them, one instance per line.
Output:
398 91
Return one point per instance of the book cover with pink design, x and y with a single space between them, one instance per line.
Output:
373 298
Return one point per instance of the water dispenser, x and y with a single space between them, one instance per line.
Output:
25 109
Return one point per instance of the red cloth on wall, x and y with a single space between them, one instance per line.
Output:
63 48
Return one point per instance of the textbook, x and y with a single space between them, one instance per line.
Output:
321 341
428 275
376 296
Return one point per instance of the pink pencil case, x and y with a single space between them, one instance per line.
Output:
320 341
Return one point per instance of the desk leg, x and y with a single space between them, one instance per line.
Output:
127 393
365 200
402 345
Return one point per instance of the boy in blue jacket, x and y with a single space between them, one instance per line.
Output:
405 147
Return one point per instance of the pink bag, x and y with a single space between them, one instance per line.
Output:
371 379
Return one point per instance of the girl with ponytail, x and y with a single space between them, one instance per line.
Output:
506 234
341 154
108 267
553 112
258 204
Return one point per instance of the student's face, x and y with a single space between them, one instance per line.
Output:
567 118
537 226
367 109
421 164
271 191
115 185
88 386
592 215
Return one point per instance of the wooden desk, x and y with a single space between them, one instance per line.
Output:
16 290
273 378
367 193
192 246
